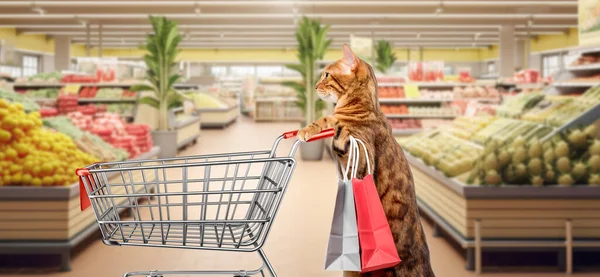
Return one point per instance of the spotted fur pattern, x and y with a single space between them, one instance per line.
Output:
352 83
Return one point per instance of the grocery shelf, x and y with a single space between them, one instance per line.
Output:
576 84
508 218
406 132
276 99
390 84
60 203
279 119
420 116
588 117
411 101
585 67
107 100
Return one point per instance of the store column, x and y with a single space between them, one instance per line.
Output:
507 51
520 54
62 53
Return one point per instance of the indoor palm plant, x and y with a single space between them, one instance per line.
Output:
312 45
385 56
161 48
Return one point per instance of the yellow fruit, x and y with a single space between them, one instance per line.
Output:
36 170
44 145
36 182
11 154
47 181
3 103
16 179
26 179
8 123
47 168
5 136
14 168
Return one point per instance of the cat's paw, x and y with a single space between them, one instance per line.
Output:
307 133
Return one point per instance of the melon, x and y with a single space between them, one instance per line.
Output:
563 165
535 166
503 158
490 162
578 139
561 149
579 171
537 181
594 179
521 171
549 175
535 149
519 156
549 156
590 131
595 148
492 177
594 164
565 180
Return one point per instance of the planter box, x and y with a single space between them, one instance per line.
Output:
47 219
514 217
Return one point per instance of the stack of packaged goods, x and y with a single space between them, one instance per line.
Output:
66 104
141 133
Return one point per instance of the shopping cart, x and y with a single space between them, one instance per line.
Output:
223 202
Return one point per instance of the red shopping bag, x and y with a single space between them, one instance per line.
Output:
378 250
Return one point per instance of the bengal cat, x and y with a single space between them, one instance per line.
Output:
351 84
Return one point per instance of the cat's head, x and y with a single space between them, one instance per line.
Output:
345 76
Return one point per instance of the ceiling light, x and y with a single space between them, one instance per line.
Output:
529 22
122 41
418 35
222 35
38 10
197 11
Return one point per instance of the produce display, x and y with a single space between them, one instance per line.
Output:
450 155
505 129
418 110
397 123
567 159
594 78
43 93
51 77
86 141
67 104
204 100
391 92
125 109
134 138
591 58
475 92
34 156
515 106
547 107
27 103
464 127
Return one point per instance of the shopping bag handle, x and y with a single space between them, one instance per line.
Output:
327 133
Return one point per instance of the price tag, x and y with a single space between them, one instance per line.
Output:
71 89
411 91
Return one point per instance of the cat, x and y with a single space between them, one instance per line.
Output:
350 83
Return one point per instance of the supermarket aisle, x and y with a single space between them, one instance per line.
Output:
298 239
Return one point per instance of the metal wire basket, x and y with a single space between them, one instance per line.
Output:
224 202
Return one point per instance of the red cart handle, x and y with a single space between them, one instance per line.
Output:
323 134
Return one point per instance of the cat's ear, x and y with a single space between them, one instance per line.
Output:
349 58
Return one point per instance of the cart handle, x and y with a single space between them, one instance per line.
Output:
323 134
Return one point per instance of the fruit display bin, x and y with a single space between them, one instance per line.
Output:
556 219
48 220
218 117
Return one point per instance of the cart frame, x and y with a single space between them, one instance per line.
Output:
189 204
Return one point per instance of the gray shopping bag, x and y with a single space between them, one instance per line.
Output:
343 248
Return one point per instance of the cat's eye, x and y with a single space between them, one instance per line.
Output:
326 74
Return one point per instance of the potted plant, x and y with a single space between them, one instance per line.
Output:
385 56
312 45
161 47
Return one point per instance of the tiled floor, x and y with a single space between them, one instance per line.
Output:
298 240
